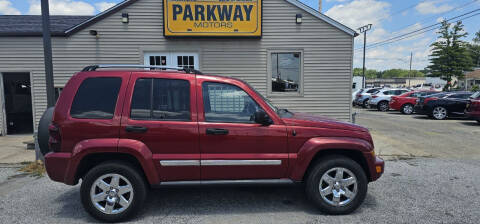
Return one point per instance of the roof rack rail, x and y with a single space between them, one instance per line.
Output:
95 67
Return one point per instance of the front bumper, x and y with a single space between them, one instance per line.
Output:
420 109
378 169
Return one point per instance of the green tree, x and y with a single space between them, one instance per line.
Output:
369 73
449 57
474 49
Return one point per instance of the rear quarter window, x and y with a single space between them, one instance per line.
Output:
96 98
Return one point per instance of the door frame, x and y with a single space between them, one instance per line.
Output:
3 112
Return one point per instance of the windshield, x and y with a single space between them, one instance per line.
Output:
475 95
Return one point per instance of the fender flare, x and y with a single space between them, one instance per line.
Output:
112 145
315 145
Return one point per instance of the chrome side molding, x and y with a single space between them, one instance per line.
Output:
180 162
213 162
240 162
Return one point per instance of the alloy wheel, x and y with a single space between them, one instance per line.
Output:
439 113
408 109
111 193
338 186
383 106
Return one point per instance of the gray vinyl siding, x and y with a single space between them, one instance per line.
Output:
327 54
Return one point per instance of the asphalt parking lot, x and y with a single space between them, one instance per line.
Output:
431 176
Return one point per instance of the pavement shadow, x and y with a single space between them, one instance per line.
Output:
204 200
470 123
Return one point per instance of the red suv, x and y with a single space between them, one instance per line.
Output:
124 131
473 107
405 103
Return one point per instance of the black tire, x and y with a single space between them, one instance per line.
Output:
324 165
478 121
403 109
365 103
43 133
134 176
383 106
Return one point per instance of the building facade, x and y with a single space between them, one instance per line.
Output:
302 59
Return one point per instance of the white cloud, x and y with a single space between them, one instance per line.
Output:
63 7
432 7
360 12
7 9
102 6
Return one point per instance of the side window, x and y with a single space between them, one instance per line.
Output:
161 99
227 103
387 93
96 98
286 73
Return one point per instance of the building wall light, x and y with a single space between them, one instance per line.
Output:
298 19
124 17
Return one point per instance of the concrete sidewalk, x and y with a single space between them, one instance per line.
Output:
14 150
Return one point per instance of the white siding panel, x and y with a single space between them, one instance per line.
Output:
327 54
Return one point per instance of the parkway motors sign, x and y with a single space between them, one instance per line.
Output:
212 18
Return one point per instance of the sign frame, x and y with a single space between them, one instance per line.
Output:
203 35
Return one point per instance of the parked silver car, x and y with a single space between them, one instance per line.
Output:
363 97
381 99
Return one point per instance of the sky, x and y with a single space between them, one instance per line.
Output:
390 18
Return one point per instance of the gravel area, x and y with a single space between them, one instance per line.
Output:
411 191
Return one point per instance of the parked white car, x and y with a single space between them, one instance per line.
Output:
363 97
381 99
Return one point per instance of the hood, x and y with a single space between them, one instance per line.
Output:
308 120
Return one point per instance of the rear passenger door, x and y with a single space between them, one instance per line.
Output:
160 112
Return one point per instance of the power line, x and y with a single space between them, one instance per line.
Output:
418 30
437 15
415 34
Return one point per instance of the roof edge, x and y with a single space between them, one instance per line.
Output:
96 18
323 17
126 3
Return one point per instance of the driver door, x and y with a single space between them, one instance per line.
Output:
232 145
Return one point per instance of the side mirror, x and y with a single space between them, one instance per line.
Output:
262 118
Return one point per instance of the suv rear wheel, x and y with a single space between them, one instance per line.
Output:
113 191
337 185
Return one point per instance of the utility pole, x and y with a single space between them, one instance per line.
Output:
410 72
364 30
47 54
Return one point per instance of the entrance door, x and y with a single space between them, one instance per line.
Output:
18 103
175 59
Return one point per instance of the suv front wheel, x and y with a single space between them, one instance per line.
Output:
337 185
113 191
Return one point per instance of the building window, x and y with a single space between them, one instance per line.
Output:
285 72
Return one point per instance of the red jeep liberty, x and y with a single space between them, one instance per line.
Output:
124 131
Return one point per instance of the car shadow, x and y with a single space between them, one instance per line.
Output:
471 123
200 200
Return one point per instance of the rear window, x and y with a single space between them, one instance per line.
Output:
96 98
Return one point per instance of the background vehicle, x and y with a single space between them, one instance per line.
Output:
121 131
440 106
405 103
354 95
381 99
473 107
364 96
